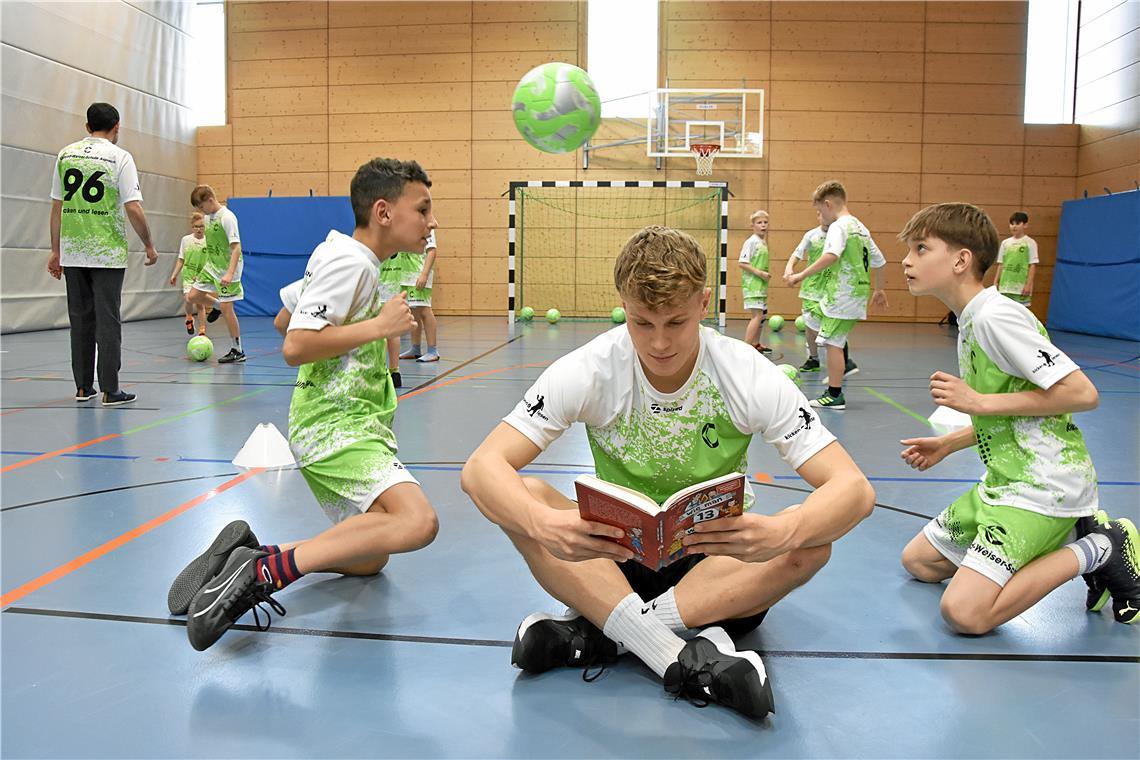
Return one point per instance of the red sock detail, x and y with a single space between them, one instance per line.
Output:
281 568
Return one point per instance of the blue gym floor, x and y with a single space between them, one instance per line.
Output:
416 662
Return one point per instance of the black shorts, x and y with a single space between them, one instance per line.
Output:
650 584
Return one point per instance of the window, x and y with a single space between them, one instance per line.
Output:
1051 61
621 45
207 65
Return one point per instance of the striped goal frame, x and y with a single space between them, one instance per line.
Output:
722 289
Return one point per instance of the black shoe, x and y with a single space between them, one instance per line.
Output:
212 317
850 368
190 325
1098 592
233 356
207 565
1121 573
396 381
762 348
235 590
118 398
710 669
547 641
811 365
85 394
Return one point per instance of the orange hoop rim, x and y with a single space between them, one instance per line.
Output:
705 149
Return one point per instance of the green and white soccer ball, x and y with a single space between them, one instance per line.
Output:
199 348
556 107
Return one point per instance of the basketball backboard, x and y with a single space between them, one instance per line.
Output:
731 118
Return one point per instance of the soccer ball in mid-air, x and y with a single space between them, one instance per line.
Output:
556 107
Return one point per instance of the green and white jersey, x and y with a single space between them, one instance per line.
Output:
809 250
754 252
1015 255
659 442
349 398
94 178
845 288
411 264
221 232
1038 464
192 254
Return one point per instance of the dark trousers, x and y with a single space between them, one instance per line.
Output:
93 299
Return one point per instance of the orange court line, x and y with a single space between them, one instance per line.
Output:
51 576
762 477
57 452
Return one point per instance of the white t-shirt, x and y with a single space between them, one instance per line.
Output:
93 179
806 241
846 289
659 442
1024 239
341 276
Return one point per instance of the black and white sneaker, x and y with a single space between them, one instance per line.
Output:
710 669
207 565
235 590
1098 594
546 641
212 317
118 398
810 365
233 356
1120 574
85 394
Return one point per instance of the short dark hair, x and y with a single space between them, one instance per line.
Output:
382 178
1019 217
102 117
961 225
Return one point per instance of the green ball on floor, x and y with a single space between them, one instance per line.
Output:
553 315
618 315
776 322
791 372
199 348
800 326
526 314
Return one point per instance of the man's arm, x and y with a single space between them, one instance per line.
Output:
842 498
235 256
53 267
137 216
1072 393
490 477
303 346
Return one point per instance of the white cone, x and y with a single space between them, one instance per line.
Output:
265 447
946 420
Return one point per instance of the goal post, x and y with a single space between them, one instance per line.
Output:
564 236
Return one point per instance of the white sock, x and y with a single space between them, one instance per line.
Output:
633 626
1092 551
665 608
237 342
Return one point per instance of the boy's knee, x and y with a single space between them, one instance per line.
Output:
917 560
424 529
965 616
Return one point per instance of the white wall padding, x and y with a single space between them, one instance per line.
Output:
55 60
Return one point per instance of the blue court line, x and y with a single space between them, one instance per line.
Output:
555 471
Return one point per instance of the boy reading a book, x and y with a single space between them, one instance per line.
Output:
666 403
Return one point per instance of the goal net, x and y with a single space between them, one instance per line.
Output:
565 236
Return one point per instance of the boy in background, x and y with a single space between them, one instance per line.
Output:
218 284
1017 261
754 280
191 252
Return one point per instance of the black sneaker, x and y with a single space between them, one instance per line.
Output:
762 348
212 317
207 565
811 365
850 368
397 382
233 356
85 394
235 590
546 641
710 669
118 398
1121 573
1098 593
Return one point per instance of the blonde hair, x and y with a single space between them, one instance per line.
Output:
196 216
829 189
959 224
200 194
660 265
757 214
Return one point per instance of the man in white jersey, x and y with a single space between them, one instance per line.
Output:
666 404
94 185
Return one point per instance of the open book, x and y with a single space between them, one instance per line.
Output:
654 532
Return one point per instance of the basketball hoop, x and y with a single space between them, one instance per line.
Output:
705 153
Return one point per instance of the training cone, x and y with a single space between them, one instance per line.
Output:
946 420
265 447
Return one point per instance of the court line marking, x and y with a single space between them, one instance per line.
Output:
114 490
891 402
502 644
107 547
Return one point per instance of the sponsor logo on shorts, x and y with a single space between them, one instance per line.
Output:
995 534
306 384
993 557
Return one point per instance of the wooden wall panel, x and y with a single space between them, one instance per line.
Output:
907 103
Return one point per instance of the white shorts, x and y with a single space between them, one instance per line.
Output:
756 304
339 487
811 320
